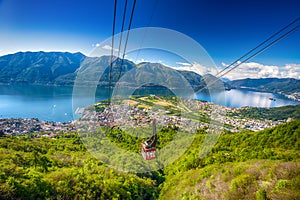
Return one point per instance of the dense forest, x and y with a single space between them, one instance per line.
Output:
275 113
247 165
272 85
62 68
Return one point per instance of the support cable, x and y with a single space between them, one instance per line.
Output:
112 51
268 43
127 36
122 29
261 50
259 45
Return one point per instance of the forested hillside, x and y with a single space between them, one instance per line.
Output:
257 165
275 113
272 85
248 165
37 67
62 68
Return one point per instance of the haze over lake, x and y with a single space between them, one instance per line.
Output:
54 103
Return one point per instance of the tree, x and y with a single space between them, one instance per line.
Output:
1 133
36 157
45 163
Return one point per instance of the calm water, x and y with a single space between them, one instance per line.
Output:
55 103
241 98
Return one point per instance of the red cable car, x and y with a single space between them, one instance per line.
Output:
148 147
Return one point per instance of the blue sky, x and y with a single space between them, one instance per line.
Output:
225 28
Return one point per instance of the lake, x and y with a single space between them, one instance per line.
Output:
54 103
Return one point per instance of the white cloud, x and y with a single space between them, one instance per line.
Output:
224 64
291 70
197 68
257 70
183 63
107 47
142 60
246 70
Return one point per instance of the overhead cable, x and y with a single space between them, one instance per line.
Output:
112 50
127 36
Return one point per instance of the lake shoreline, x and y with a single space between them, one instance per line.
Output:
294 96
55 103
142 110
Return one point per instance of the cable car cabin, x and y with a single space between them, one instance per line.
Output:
148 153
148 147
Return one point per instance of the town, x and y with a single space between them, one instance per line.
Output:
186 114
14 126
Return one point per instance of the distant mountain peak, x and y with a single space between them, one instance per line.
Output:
61 68
284 86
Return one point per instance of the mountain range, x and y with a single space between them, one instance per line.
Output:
274 85
62 68
37 67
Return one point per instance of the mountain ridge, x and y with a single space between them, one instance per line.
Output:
62 68
37 67
288 87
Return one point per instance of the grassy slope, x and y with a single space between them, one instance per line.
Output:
62 169
258 165
276 113
247 165
257 179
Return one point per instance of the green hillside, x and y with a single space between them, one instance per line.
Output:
62 68
272 85
262 179
61 168
37 67
275 113
257 165
249 165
